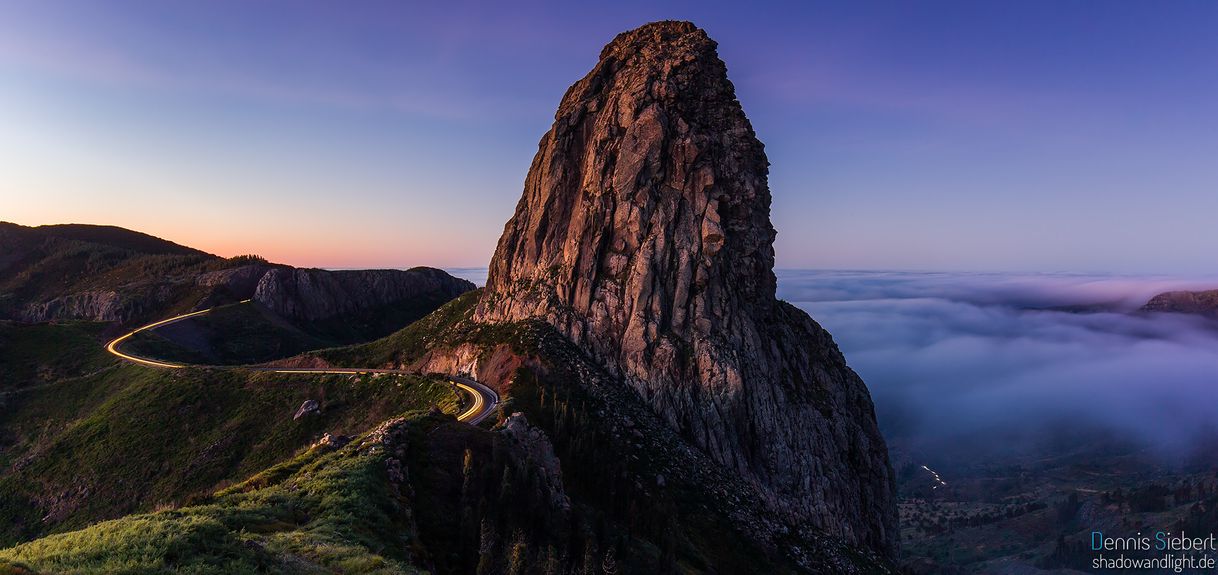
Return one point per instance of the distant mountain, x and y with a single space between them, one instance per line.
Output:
95 272
115 236
106 273
1203 303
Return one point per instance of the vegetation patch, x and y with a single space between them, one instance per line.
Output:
133 438
41 353
234 334
338 511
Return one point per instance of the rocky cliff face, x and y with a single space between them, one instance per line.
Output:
1203 303
240 282
311 294
643 235
529 446
94 305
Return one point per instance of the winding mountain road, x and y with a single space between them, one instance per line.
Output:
484 399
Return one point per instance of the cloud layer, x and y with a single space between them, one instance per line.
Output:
951 357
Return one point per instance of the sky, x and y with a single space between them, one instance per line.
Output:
1067 135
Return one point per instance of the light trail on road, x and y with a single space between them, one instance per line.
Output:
484 398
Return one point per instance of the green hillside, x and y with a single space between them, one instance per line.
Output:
41 353
234 334
129 439
324 511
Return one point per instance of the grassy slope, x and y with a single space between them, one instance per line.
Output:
58 267
235 334
408 343
242 334
132 438
35 354
154 277
374 323
320 512
117 237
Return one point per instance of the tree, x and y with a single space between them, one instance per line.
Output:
553 565
517 561
591 566
609 564
506 489
467 473
486 548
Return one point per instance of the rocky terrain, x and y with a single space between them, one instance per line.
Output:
311 294
643 236
1203 303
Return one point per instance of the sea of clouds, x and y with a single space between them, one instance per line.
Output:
984 359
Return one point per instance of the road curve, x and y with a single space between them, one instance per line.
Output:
484 399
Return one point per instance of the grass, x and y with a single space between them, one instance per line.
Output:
375 322
133 438
151 344
241 334
42 353
408 343
235 334
89 438
150 283
335 512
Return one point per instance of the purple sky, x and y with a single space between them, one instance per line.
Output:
1050 136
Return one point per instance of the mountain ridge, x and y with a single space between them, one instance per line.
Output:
107 273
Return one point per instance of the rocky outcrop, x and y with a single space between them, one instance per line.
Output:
529 448
100 305
241 281
309 407
95 305
1203 303
643 235
312 294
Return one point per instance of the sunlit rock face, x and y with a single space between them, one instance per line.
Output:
644 236
1204 303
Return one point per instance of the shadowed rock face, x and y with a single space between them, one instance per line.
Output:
644 236
312 294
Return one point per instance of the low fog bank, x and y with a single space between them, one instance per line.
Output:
976 361
476 275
